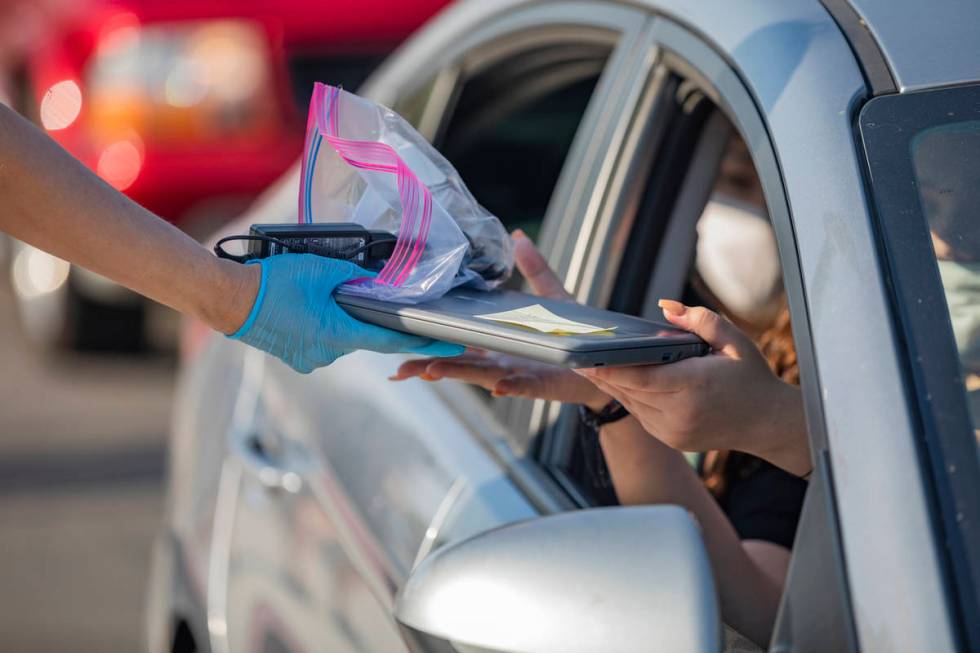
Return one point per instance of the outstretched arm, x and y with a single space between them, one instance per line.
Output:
284 305
52 201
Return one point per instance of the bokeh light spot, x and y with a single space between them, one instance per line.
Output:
119 164
37 273
61 105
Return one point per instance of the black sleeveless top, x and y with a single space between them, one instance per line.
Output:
762 501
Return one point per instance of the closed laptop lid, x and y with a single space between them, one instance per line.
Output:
462 308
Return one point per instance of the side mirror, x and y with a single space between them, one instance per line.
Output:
605 579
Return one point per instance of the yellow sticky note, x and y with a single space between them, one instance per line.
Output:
539 318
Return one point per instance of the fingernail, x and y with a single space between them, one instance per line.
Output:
502 390
672 307
518 233
394 377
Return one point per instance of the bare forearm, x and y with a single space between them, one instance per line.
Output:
782 435
646 471
53 202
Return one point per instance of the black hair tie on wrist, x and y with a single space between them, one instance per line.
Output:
611 412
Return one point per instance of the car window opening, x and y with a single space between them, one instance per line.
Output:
729 263
513 125
508 130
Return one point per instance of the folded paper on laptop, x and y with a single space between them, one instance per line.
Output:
539 318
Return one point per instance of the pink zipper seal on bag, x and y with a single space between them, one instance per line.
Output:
413 195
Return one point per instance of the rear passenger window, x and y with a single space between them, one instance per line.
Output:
513 125
508 126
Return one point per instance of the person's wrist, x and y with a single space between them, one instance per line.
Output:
782 438
597 402
231 297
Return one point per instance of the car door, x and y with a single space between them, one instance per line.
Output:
344 480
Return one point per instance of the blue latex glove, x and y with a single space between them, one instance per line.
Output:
296 318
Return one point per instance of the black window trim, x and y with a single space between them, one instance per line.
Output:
931 363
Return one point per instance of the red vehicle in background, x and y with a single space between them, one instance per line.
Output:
191 108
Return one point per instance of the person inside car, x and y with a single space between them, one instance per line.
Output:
740 404
284 305
737 270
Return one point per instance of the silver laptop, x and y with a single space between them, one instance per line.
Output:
456 317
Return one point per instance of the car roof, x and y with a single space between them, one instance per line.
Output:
926 42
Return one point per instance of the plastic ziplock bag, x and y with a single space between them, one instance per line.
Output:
364 164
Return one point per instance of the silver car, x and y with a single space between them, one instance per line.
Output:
341 512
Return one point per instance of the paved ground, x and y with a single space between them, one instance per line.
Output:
82 444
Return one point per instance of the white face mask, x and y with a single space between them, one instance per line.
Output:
738 259
961 282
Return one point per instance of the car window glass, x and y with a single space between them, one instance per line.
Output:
345 71
411 105
507 129
513 125
946 161
923 155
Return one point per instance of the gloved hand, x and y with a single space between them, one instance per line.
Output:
296 318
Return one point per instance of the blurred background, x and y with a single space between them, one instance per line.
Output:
192 108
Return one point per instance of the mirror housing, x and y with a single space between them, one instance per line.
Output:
604 579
